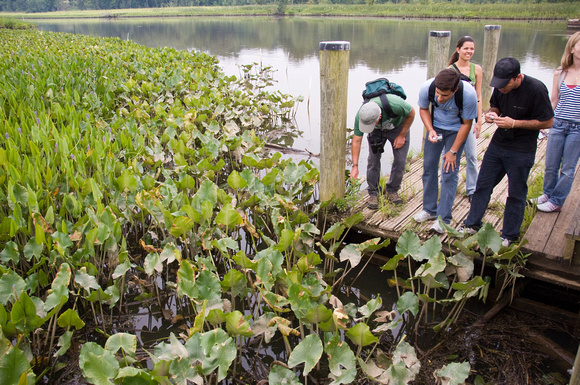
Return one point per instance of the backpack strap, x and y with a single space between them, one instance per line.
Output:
458 100
388 111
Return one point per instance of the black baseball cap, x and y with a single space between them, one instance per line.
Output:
504 70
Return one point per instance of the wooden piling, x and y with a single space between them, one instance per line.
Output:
575 379
490 46
334 62
438 52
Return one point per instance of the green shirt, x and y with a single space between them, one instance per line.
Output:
400 108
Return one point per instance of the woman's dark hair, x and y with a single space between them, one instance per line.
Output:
459 44
447 80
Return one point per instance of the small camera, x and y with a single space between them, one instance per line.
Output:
439 137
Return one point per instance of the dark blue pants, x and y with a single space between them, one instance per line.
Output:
497 162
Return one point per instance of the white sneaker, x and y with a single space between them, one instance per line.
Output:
548 207
436 227
539 200
466 230
505 242
423 216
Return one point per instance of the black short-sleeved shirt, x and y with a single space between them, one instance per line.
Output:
530 101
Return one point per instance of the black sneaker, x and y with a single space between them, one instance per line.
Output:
373 202
394 197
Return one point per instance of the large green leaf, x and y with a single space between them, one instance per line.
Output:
180 226
186 279
408 301
70 318
280 375
10 253
11 284
408 243
237 325
430 249
125 341
361 335
334 232
317 315
98 365
86 281
235 181
222 352
59 292
228 216
308 352
184 370
341 361
13 365
23 314
351 253
455 373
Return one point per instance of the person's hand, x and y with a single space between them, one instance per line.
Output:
505 122
490 117
399 142
449 161
433 136
354 172
477 129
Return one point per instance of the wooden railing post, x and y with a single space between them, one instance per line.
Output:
490 46
438 52
334 62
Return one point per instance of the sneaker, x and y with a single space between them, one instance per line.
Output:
394 197
436 227
423 216
506 242
466 230
548 207
539 200
373 202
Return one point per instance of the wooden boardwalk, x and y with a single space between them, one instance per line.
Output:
547 233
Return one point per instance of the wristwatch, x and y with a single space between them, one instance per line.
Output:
453 152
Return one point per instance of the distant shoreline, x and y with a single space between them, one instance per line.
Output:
549 12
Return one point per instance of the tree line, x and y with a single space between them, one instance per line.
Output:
33 6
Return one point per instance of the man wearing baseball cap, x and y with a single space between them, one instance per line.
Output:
520 107
369 119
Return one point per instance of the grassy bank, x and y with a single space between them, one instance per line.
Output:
558 11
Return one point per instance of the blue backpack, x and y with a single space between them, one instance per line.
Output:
381 87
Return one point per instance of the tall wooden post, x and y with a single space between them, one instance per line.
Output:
575 379
334 61
490 46
438 52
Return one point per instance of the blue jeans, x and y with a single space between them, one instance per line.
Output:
471 163
431 159
562 156
497 162
397 168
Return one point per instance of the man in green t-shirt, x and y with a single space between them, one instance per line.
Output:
380 127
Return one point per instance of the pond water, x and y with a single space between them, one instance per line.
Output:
396 49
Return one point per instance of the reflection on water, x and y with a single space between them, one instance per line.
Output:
396 49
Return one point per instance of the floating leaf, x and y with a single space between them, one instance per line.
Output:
70 318
361 335
408 301
280 375
98 365
308 352
454 374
